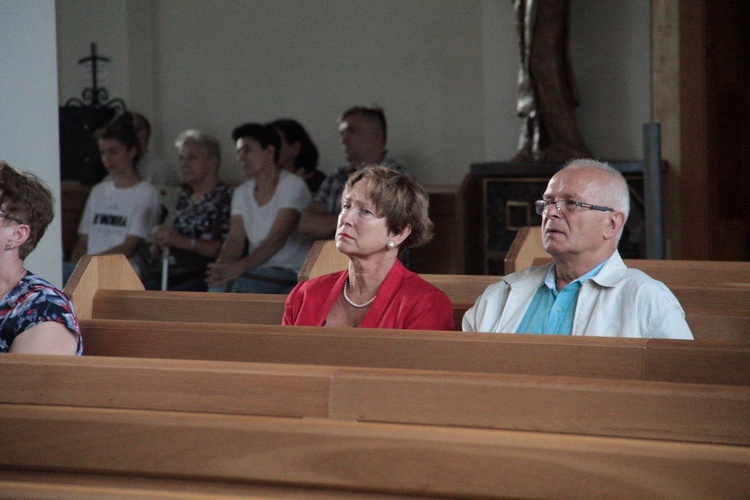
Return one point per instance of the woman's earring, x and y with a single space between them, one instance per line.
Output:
391 245
9 246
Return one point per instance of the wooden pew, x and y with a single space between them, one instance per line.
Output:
703 288
361 456
722 322
526 250
98 424
464 400
568 405
680 361
105 287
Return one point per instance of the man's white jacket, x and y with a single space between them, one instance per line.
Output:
617 302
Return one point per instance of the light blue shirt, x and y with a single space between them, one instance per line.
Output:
552 312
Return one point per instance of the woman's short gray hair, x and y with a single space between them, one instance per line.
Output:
208 142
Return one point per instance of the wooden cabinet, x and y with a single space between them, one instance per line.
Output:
72 201
508 192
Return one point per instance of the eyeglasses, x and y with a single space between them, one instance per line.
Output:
10 217
570 206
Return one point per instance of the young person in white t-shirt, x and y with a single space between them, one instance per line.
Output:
122 210
264 218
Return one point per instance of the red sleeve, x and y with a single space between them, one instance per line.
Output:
432 310
291 306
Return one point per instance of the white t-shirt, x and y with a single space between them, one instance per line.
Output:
291 192
113 213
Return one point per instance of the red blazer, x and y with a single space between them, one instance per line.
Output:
404 301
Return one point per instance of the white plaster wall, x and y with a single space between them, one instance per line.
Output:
444 70
28 111
81 22
610 44
224 63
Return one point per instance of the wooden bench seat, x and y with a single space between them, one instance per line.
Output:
617 358
712 314
362 456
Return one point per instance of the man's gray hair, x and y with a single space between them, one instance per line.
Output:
616 193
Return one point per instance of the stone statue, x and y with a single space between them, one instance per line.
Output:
546 90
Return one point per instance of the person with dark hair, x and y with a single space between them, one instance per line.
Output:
363 136
382 214
35 317
151 167
122 210
298 152
201 218
264 218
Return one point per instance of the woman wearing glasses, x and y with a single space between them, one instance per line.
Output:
35 317
587 289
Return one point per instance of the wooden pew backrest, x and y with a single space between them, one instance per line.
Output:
570 405
526 250
99 272
371 457
712 316
168 384
372 348
714 313
618 358
323 258
250 308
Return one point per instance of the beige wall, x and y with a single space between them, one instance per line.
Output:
28 111
444 70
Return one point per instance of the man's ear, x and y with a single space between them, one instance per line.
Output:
615 222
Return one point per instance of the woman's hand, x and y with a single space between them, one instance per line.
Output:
165 236
220 273
154 250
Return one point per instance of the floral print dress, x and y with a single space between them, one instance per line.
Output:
32 301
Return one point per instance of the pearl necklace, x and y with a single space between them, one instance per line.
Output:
351 302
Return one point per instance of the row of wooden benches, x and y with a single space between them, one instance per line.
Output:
107 288
252 409
339 410
395 432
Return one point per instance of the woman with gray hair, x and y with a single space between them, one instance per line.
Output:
201 219
383 212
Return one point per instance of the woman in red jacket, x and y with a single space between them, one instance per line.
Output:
382 213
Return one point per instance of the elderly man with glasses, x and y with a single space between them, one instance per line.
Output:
586 289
